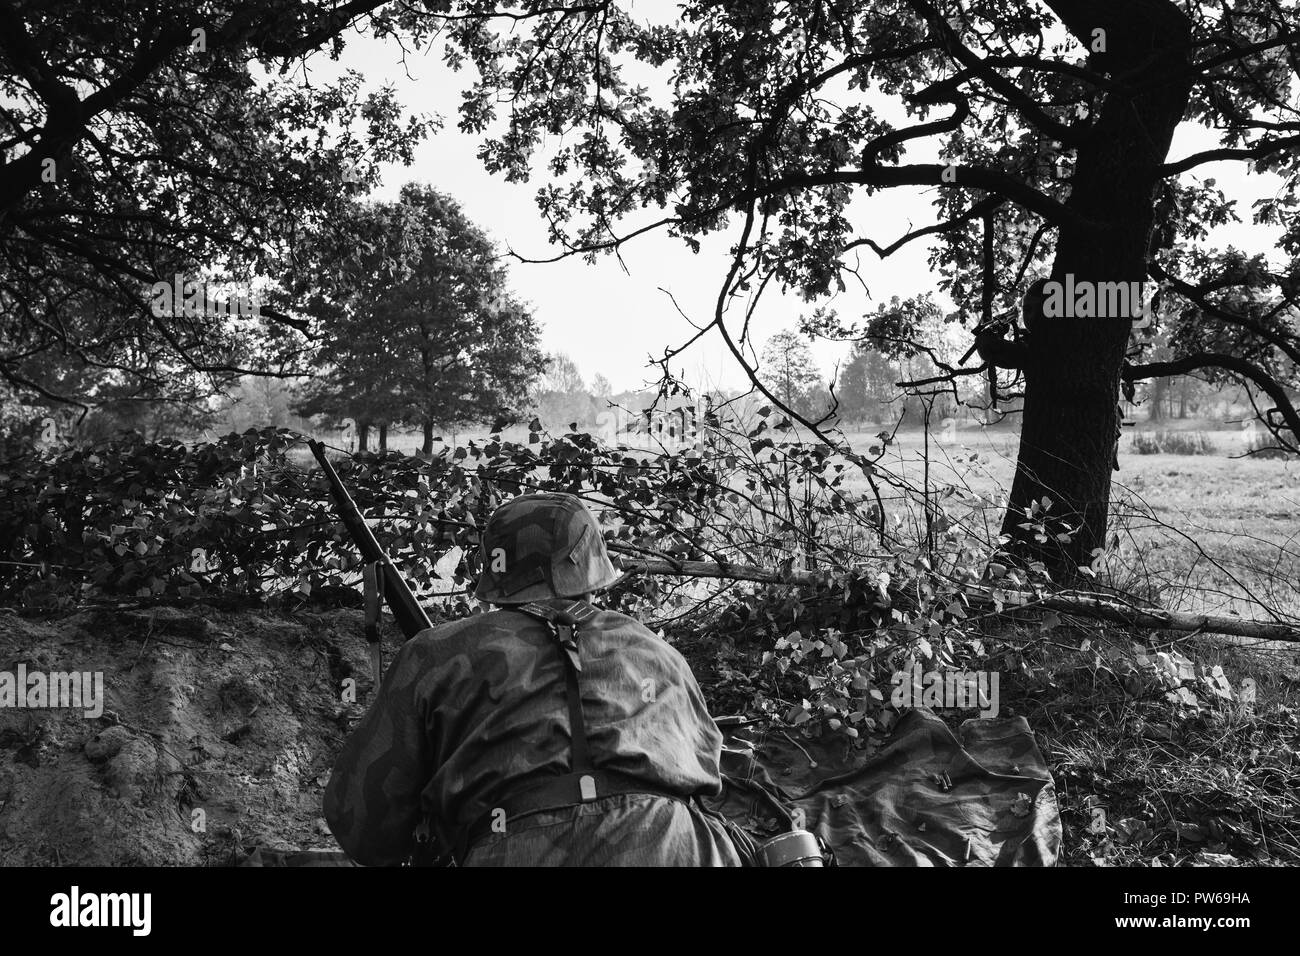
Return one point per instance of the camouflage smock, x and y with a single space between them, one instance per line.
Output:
472 711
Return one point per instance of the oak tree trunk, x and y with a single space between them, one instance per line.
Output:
1071 418
1159 396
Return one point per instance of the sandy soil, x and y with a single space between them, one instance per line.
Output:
217 735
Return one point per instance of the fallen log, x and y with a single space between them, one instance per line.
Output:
711 569
1161 619
1097 607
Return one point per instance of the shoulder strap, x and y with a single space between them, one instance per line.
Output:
554 612
564 618
543 612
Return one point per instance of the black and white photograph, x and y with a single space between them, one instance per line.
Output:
836 434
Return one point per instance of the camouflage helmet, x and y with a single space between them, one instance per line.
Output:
542 546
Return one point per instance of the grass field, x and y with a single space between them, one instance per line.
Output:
1205 532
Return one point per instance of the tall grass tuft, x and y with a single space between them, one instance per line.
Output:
1172 443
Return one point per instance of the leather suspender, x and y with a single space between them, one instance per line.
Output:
584 783
563 622
577 786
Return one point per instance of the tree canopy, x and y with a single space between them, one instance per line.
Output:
866 385
791 372
145 141
417 322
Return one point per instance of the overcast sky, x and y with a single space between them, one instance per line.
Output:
610 320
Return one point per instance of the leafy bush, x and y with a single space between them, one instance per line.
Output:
245 513
1172 443
126 516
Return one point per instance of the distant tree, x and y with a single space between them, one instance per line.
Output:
420 325
600 386
791 372
562 375
562 397
867 384
257 401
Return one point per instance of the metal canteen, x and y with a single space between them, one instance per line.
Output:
796 848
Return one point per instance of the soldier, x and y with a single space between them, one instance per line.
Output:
545 732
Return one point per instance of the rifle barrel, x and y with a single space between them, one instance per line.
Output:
406 609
